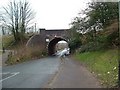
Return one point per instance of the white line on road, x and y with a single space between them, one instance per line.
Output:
14 74
5 73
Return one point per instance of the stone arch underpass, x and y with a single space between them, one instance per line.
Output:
52 43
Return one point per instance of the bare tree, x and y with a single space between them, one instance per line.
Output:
18 15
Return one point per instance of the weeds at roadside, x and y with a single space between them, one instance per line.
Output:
24 53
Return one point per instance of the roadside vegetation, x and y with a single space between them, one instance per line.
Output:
7 41
0 52
94 41
18 18
19 52
22 53
103 63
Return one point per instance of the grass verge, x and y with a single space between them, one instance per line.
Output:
103 63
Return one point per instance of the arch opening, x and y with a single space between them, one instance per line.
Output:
52 45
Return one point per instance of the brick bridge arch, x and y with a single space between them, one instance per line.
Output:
48 39
52 43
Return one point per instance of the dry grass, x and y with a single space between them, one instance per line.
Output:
111 28
7 40
23 53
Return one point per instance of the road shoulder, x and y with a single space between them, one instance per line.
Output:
73 75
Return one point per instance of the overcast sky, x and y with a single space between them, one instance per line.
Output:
54 14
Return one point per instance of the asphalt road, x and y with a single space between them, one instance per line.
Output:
48 73
31 74
72 74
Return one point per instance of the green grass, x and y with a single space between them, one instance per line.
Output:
103 63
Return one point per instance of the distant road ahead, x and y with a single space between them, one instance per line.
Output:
31 74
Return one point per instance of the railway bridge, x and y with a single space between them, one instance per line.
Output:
48 39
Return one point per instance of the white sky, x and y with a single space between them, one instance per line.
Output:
54 14
62 41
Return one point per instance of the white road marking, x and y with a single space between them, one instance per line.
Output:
14 74
5 73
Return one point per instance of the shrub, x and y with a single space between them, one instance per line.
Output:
74 44
24 53
113 39
92 46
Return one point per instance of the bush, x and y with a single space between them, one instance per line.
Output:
113 39
74 44
101 42
24 53
92 46
7 40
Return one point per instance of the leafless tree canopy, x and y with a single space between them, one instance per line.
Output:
17 16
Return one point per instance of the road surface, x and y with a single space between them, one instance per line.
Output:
73 75
48 73
31 74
